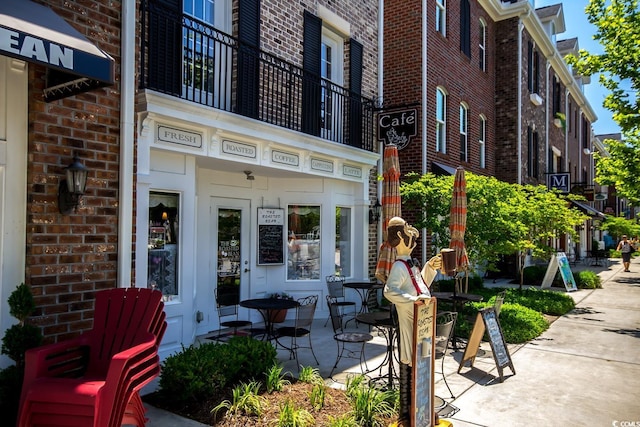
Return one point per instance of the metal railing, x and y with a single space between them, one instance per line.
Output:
191 60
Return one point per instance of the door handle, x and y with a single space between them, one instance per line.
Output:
246 270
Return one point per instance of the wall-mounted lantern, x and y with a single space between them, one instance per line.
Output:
374 212
72 188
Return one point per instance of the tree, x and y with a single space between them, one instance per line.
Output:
618 226
617 25
502 218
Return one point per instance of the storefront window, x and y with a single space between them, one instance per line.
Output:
163 243
303 231
343 241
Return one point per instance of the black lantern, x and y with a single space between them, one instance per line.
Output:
374 212
72 188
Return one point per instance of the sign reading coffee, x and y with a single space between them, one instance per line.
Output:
398 127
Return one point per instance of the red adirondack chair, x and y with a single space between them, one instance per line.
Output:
94 379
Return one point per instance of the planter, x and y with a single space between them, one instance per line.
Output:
277 316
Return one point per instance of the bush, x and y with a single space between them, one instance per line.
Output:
199 372
544 301
521 324
533 275
587 279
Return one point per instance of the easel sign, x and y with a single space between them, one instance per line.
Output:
422 390
559 261
487 320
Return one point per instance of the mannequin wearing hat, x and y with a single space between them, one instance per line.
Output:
407 286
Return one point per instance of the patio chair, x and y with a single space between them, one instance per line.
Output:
95 379
445 323
227 300
301 327
344 339
335 287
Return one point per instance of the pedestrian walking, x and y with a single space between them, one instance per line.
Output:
625 248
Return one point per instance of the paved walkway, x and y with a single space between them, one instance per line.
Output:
583 371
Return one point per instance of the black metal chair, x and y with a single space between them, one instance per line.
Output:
227 300
344 339
335 287
301 327
445 323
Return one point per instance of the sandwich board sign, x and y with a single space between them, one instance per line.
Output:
422 389
560 262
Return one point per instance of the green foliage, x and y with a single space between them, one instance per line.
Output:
21 303
521 324
617 25
370 405
587 279
317 396
246 400
275 380
502 218
290 416
541 300
533 275
198 372
346 420
22 336
311 375
618 226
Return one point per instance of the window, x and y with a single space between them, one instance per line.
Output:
482 138
331 71
532 68
162 247
441 16
464 122
441 124
343 241
465 27
482 46
557 96
303 229
532 153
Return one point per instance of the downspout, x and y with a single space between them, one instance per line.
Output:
381 99
424 110
519 83
546 116
127 129
566 130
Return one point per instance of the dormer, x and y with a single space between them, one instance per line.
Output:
552 19
571 47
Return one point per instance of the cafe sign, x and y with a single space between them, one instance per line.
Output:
398 127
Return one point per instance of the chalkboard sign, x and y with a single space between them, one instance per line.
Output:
270 236
423 354
487 320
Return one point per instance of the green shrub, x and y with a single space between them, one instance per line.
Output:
199 372
542 300
10 387
521 324
587 279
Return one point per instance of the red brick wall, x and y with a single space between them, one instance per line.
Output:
69 257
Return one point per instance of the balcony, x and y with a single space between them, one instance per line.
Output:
191 60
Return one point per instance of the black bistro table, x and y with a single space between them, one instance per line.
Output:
363 288
459 300
384 322
267 307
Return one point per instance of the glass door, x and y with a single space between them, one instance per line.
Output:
231 220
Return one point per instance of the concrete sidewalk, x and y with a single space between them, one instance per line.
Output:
583 371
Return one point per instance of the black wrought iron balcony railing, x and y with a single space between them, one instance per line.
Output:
191 60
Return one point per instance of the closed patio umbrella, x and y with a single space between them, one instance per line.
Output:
458 222
390 208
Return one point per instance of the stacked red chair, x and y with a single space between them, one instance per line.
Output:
95 379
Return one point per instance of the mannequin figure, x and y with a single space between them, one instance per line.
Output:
407 286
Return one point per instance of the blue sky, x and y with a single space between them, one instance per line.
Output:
577 25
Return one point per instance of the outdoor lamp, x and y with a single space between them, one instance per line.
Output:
374 212
72 188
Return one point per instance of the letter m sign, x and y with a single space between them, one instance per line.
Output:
559 181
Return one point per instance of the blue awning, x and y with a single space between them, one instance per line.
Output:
35 33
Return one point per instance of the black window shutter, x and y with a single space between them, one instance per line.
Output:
465 27
355 85
165 46
311 46
530 66
248 57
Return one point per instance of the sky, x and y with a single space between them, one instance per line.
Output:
576 25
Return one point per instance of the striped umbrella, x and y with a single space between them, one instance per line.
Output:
390 208
458 221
